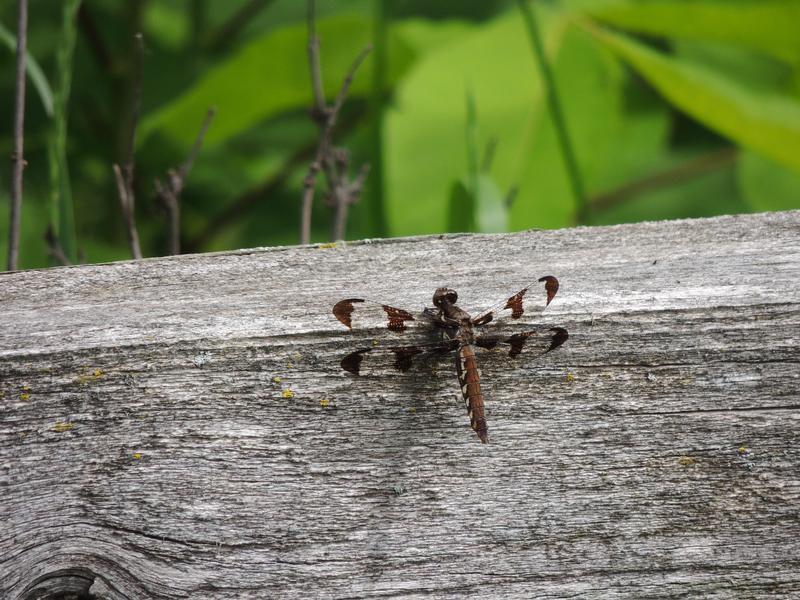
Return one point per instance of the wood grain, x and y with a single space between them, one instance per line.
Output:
180 427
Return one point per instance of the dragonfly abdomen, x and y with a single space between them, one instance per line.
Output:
470 379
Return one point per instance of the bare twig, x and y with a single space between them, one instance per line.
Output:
54 248
169 193
198 143
253 196
314 62
126 202
217 40
700 165
334 162
19 131
124 175
136 107
94 38
345 196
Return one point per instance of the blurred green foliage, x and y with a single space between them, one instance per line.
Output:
675 108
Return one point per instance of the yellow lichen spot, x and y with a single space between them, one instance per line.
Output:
24 396
289 365
83 379
97 373
743 450
412 409
375 342
324 403
288 394
62 427
326 246
137 455
2 394
687 461
570 378
276 380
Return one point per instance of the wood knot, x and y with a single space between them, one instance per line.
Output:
62 584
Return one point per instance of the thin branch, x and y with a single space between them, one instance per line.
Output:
348 80
126 202
346 197
198 143
136 108
169 193
124 175
54 248
263 190
19 139
217 40
705 163
94 38
334 163
314 63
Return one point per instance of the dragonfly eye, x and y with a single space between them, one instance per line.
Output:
444 294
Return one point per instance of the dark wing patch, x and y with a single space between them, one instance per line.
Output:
560 335
371 314
519 303
550 286
343 310
397 317
352 362
540 341
514 304
400 358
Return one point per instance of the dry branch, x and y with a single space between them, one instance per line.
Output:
333 161
54 249
169 193
124 176
17 157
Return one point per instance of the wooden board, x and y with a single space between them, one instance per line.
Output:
180 427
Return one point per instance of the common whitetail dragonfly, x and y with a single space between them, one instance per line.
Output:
457 332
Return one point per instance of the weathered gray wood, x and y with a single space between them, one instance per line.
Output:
149 449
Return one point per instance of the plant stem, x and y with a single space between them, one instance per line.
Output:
19 130
375 200
63 217
582 213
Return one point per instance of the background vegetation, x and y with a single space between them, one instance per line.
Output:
673 108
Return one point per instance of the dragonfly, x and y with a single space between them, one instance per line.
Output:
458 332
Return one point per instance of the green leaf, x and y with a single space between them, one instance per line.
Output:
617 129
425 127
766 26
38 79
477 204
491 211
461 210
766 185
269 76
761 118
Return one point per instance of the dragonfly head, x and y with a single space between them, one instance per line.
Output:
443 295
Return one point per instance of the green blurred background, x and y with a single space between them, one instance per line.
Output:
674 108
